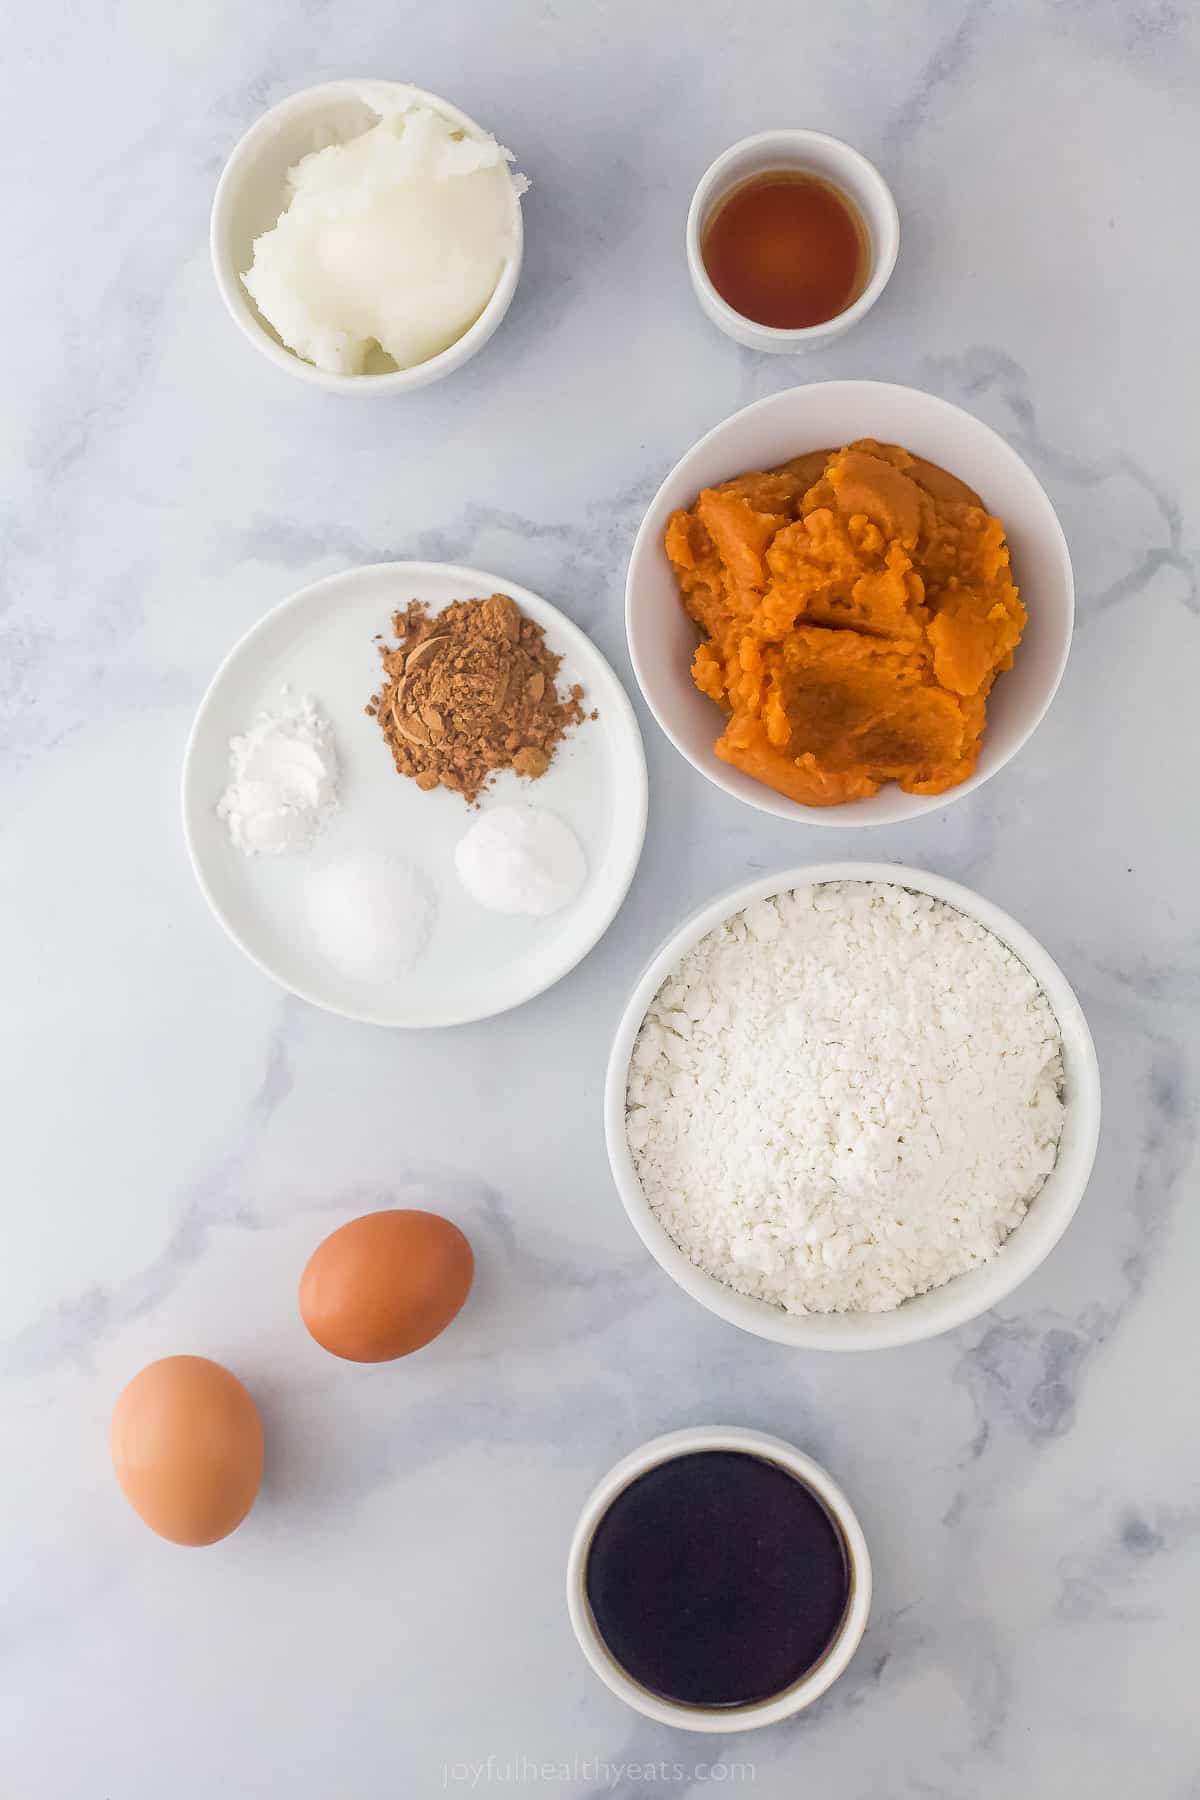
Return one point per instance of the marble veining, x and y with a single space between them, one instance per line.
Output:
178 1135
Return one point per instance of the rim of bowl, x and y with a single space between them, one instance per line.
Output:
241 307
811 1685
962 1298
886 219
848 813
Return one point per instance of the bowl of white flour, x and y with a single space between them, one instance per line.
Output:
851 1105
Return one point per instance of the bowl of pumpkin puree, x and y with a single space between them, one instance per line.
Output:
850 603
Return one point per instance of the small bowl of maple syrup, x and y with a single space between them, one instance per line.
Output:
791 238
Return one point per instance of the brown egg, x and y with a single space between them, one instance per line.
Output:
187 1445
385 1284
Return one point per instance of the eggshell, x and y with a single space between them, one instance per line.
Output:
386 1284
187 1446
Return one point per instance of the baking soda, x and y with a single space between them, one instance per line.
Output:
521 859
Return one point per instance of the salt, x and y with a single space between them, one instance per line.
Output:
371 914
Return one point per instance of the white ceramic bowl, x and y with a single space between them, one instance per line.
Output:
817 154
731 1718
662 639
251 195
966 1296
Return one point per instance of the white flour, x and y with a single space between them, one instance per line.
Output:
283 779
844 1096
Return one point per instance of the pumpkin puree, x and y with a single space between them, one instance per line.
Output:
856 607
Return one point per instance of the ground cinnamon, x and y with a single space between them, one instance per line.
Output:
469 691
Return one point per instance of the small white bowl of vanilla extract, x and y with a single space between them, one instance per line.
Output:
791 238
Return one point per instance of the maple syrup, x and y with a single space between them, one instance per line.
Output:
717 1579
786 249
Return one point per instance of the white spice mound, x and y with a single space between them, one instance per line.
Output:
521 859
283 779
844 1096
394 241
371 913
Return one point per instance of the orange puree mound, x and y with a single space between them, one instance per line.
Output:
856 606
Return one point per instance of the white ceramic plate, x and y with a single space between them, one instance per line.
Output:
662 639
322 642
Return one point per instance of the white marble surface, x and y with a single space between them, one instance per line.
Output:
178 1135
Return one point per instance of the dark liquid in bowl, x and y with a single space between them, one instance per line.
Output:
786 249
717 1579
